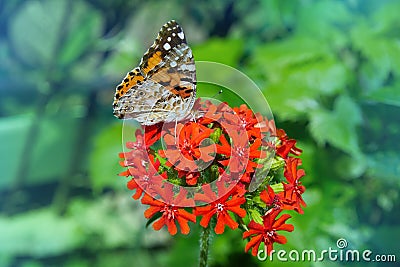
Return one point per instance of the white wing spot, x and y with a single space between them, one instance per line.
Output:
190 67
181 35
169 39
173 64
167 46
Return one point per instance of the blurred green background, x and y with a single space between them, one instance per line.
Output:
329 69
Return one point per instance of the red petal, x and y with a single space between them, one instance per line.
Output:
148 200
256 226
171 227
206 219
280 239
157 225
169 140
236 201
151 211
239 211
229 221
254 243
267 197
183 224
186 215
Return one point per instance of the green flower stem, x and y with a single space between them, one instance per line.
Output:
204 245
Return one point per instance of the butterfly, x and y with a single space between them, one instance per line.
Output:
163 87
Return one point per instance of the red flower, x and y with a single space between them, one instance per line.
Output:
190 177
211 112
241 153
139 148
267 232
220 207
286 145
245 178
139 144
294 189
265 125
151 135
271 199
216 152
184 154
244 118
145 178
170 214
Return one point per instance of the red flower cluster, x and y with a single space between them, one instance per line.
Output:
203 168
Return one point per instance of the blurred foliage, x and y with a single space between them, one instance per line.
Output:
329 70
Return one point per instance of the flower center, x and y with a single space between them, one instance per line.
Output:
298 190
240 151
138 145
275 203
244 123
169 212
146 178
219 207
187 146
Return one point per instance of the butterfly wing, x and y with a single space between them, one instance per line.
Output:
163 87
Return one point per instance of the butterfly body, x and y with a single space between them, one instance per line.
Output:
163 87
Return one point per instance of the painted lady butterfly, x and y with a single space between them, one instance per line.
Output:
163 87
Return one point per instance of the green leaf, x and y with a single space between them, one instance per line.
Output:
44 161
83 33
256 216
35 30
386 19
389 95
338 127
277 188
299 71
51 234
216 50
350 167
108 221
384 165
13 133
53 150
103 159
330 16
385 238
54 33
377 41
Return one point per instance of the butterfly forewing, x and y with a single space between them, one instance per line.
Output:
163 87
